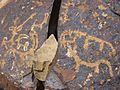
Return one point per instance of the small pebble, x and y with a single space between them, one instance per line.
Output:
32 8
23 7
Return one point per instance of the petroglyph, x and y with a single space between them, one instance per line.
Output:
74 34
64 15
15 45
71 47
88 78
102 43
35 24
2 63
4 3
93 65
83 6
20 45
38 2
3 19
11 43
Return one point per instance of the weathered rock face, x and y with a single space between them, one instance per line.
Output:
23 29
8 85
89 41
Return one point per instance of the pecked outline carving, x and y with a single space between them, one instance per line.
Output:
32 36
64 17
71 47
79 34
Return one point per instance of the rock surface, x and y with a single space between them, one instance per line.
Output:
89 44
23 29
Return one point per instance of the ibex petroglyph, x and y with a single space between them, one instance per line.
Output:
71 47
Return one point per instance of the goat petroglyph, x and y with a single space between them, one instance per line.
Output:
88 38
70 45
92 65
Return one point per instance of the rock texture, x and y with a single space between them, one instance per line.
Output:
88 56
23 29
89 41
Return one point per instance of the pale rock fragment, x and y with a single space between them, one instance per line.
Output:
43 57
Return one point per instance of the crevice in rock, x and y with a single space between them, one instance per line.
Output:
52 29
53 22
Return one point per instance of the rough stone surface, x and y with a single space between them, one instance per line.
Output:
23 29
54 82
89 44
